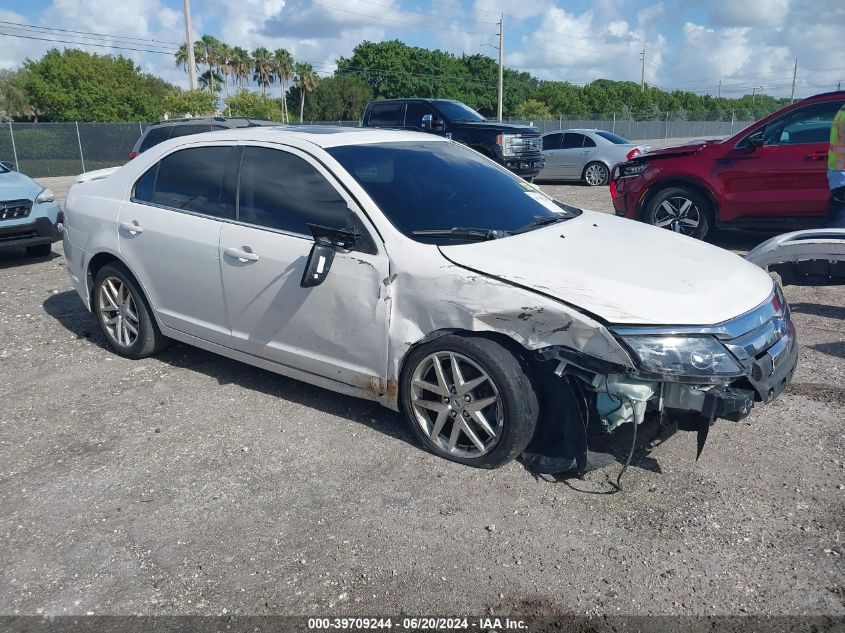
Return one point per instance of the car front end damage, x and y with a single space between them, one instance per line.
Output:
695 375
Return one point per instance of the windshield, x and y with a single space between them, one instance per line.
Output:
437 186
613 138
457 111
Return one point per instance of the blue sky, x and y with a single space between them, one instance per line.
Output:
689 45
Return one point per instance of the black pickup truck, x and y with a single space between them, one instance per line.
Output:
517 147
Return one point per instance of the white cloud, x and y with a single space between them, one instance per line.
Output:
759 13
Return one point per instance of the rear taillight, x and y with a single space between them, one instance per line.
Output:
633 153
613 192
132 155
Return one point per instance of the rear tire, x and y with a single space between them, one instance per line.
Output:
39 250
596 174
492 403
124 314
680 209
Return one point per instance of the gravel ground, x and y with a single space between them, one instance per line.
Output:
192 484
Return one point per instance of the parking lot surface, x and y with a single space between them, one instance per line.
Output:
192 484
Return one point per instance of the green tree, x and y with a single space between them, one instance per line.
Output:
532 109
14 101
306 81
210 80
337 98
263 66
73 85
208 49
182 103
242 64
284 68
254 105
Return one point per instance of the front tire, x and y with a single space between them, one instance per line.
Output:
681 210
469 400
596 174
124 314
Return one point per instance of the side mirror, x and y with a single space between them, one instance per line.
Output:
327 242
430 124
754 141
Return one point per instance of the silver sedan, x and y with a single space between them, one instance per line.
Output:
585 155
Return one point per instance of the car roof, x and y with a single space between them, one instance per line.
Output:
580 130
320 135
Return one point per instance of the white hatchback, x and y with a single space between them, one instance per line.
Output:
408 269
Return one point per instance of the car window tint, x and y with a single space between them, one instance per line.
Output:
552 141
613 138
414 114
588 142
810 124
154 136
145 185
385 114
572 140
191 179
187 130
279 190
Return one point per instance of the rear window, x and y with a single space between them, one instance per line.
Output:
190 179
154 136
187 130
613 138
385 114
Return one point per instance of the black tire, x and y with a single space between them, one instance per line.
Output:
700 210
603 172
39 250
149 339
517 398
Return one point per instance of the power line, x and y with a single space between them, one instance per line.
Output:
34 27
122 48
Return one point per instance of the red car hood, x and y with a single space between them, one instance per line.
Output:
680 150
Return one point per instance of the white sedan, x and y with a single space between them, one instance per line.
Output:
407 269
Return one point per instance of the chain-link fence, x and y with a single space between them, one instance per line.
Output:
67 149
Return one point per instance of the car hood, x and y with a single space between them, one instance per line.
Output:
623 271
680 150
505 128
16 186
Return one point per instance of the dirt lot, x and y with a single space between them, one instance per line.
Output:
188 483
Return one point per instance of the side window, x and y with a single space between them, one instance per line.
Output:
385 114
155 135
572 140
810 124
415 112
187 130
190 179
588 142
145 186
552 141
279 190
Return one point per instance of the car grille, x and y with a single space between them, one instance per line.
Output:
14 209
527 145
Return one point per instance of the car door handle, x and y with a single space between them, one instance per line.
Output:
817 156
133 227
244 256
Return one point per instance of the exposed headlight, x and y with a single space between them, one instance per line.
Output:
46 195
627 170
506 142
683 355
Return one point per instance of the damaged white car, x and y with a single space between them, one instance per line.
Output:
408 269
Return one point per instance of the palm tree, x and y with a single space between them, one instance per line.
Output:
209 51
242 66
306 81
263 65
210 79
225 63
283 66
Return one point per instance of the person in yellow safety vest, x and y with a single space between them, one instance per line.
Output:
836 171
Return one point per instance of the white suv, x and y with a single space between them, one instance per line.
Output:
407 269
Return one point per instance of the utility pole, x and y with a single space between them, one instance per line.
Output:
501 64
719 96
794 75
189 42
642 70
754 93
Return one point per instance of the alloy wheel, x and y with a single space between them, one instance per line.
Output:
595 175
456 404
678 214
118 312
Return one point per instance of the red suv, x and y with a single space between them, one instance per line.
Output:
772 175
